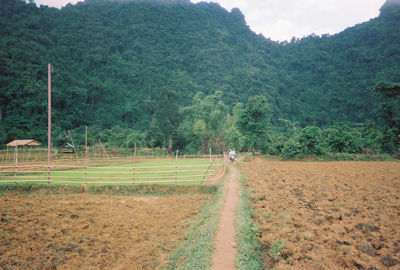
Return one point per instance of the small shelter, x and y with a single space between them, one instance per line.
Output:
17 143
24 143
68 148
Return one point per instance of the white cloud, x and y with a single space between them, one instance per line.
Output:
55 3
283 19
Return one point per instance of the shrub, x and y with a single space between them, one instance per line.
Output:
343 141
310 139
291 149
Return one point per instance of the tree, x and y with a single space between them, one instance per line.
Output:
103 80
388 114
168 117
3 136
206 124
134 137
232 136
254 121
309 139
343 141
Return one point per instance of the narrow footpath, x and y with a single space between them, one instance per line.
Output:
224 257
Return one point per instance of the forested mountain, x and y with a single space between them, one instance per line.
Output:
332 76
112 59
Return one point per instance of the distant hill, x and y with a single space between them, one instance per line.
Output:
112 59
332 76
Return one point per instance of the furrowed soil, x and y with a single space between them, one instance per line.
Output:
85 231
326 215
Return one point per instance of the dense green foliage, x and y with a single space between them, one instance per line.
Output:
254 121
389 114
172 73
166 121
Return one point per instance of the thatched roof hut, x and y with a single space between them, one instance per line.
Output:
24 143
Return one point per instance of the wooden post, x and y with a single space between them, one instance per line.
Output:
48 175
86 147
204 176
86 187
16 155
104 150
134 164
210 154
133 173
49 116
6 154
134 152
15 173
73 145
176 167
29 154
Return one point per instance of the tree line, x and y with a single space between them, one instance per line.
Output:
118 64
209 124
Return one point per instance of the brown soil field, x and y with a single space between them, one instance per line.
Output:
83 231
326 215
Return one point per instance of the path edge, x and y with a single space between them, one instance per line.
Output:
249 250
202 230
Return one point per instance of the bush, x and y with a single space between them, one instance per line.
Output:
310 139
372 139
274 144
291 149
389 144
134 137
343 141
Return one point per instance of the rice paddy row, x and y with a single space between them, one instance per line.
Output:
188 171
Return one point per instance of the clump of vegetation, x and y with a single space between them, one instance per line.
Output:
276 249
154 190
250 252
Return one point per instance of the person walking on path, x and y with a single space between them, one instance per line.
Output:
232 155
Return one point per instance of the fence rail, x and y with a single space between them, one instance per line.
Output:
29 155
211 172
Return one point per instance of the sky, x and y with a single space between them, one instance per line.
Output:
281 20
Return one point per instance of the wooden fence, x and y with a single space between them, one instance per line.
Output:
39 155
204 171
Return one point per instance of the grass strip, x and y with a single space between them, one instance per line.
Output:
250 251
142 190
196 252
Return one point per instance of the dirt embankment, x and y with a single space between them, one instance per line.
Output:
92 231
327 215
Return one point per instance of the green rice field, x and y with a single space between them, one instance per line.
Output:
183 171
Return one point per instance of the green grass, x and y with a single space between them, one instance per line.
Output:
197 250
276 248
250 252
141 190
130 173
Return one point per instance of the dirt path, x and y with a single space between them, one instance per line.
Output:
224 257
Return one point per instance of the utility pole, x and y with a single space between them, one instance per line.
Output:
49 125
49 117
86 147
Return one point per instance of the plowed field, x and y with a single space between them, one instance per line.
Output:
82 231
326 215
